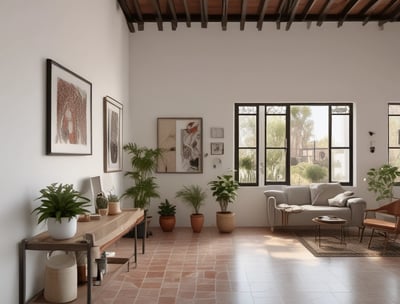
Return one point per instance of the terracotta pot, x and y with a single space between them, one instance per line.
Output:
197 221
114 208
225 222
167 222
103 211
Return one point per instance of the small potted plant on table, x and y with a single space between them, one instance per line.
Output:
167 218
114 206
224 189
61 206
101 204
194 196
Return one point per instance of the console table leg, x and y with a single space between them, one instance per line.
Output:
22 272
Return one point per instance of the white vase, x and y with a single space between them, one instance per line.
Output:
64 230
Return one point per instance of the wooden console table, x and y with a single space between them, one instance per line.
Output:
96 233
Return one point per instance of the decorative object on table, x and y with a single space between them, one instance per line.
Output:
217 148
194 196
381 181
112 135
224 189
167 218
217 132
101 204
114 205
61 206
69 112
182 141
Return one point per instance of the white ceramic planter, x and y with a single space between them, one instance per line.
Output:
64 230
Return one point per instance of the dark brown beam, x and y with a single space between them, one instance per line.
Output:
393 16
187 13
365 9
281 11
156 6
261 14
243 14
224 20
324 12
174 21
204 13
307 9
127 14
346 10
292 11
139 15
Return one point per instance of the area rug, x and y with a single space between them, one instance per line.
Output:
331 246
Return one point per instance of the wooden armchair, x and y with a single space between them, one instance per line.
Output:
385 226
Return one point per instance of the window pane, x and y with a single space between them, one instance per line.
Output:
248 110
394 109
247 131
342 109
340 131
394 131
276 131
247 166
394 157
340 165
275 160
276 110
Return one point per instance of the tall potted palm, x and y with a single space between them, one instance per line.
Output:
224 189
143 163
381 181
194 196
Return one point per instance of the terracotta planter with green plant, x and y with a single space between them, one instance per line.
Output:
224 189
114 205
101 204
194 196
60 208
167 218
381 181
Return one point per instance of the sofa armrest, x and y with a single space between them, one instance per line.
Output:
274 198
357 206
279 195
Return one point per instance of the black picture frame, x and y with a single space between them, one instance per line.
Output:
113 127
69 112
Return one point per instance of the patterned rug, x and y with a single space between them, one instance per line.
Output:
331 246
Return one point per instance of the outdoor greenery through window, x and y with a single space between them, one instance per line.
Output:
295 144
394 134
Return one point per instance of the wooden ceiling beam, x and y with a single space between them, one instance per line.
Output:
346 11
224 18
324 11
393 16
172 10
243 13
307 9
292 10
127 14
281 11
204 13
157 9
139 15
187 13
261 13
365 10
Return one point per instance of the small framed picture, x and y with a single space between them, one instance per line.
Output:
112 135
217 132
217 148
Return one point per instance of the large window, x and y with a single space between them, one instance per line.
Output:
293 144
394 134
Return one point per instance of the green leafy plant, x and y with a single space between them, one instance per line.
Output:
193 196
224 189
112 197
381 181
101 201
166 209
61 200
143 162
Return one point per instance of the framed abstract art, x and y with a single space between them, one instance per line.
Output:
182 141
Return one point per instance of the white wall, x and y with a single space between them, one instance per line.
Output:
203 72
89 37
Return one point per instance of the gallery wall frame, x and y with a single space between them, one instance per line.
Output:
182 141
217 132
113 126
69 112
217 148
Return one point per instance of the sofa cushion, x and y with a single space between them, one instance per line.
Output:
320 193
298 195
340 200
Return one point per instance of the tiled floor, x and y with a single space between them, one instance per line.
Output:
251 265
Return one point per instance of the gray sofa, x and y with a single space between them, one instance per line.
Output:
298 205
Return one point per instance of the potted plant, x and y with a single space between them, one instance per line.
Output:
60 207
167 218
114 206
194 197
224 189
101 204
381 181
143 162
